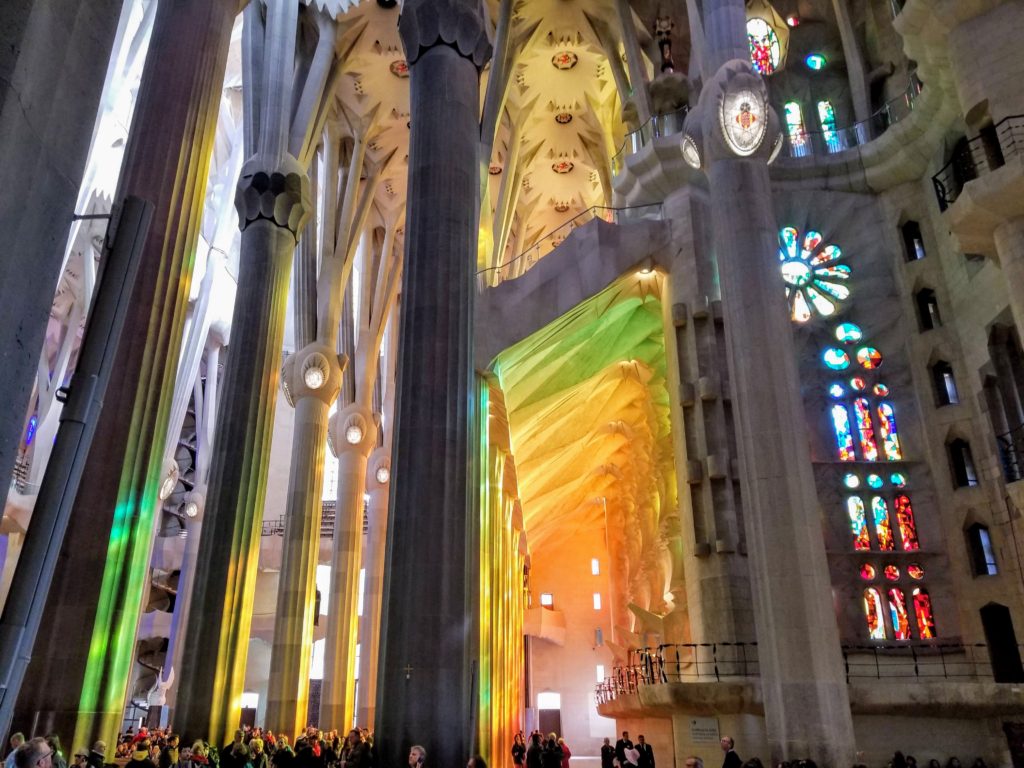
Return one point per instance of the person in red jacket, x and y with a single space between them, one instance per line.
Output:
566 754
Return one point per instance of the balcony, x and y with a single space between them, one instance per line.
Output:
978 157
1011 454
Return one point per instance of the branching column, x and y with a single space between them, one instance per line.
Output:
82 663
378 487
807 709
428 634
273 201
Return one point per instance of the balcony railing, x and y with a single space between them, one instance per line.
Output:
736 662
655 127
829 142
275 525
1011 453
979 156
550 241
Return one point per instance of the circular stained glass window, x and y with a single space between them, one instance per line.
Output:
857 383
836 359
915 571
869 358
867 571
850 480
874 481
881 390
815 280
892 572
765 50
898 479
849 333
836 390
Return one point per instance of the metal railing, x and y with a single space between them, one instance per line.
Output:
680 662
275 525
978 156
829 142
657 126
550 241
735 662
1011 453
918 661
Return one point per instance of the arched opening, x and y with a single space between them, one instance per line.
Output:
979 547
913 243
945 385
1003 650
927 309
961 462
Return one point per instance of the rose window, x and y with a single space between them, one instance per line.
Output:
815 280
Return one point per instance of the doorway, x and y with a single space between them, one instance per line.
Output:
1003 650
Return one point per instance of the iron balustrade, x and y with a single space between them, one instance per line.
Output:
828 142
275 526
547 243
979 156
657 126
736 662
1011 453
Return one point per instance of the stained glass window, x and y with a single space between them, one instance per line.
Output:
857 383
923 612
849 333
869 358
813 275
867 571
875 481
888 432
898 612
881 390
836 390
795 129
868 448
836 359
883 529
765 50
873 613
850 480
892 573
827 118
915 571
858 523
898 479
905 521
844 436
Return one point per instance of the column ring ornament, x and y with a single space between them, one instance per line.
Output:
280 195
459 24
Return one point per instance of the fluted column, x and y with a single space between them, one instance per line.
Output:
353 437
81 665
806 703
312 380
428 636
378 487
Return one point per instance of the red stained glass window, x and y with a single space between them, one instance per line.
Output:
905 521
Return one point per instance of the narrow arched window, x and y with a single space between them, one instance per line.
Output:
945 385
927 304
844 435
868 447
983 556
913 243
923 613
873 614
962 464
858 523
889 432
898 614
906 524
883 528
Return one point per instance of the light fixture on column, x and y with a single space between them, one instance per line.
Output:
383 474
170 479
353 434
315 371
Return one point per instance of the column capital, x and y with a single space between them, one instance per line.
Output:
459 24
314 371
378 471
353 429
277 192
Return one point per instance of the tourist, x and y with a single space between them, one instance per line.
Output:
97 755
284 755
17 740
535 752
732 760
417 755
607 754
170 755
551 757
141 756
34 753
359 752
257 757
53 741
646 759
620 747
693 762
519 749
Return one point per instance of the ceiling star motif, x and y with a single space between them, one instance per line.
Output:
399 68
564 60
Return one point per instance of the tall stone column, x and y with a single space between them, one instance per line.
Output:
427 665
378 486
353 437
312 380
806 703
81 665
51 79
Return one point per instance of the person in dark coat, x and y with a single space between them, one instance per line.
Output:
732 760
551 757
518 750
535 752
646 753
621 746
607 754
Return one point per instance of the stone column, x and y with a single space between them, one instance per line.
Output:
312 380
806 703
427 665
1009 237
378 486
51 78
855 68
353 437
81 665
